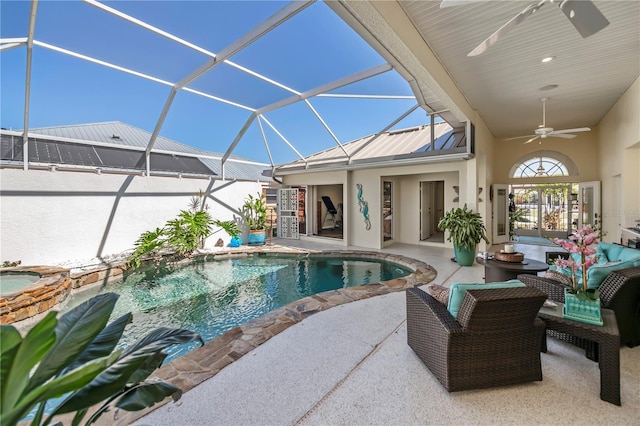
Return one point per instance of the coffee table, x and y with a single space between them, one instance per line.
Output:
496 270
607 339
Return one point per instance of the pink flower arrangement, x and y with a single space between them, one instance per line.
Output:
582 242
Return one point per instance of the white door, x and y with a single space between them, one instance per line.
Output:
288 213
500 212
425 211
589 204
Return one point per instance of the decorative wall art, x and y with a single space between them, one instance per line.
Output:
364 207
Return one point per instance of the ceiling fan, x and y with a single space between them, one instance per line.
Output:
544 132
583 14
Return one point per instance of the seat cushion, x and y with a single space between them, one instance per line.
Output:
457 290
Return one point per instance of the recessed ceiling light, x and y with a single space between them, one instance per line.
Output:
548 59
549 87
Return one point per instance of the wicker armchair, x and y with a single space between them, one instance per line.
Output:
495 341
619 291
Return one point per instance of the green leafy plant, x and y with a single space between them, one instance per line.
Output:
149 243
229 226
255 211
188 231
465 227
182 235
76 355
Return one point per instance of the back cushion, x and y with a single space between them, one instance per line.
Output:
457 291
629 254
597 273
611 250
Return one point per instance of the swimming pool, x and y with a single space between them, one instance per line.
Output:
213 297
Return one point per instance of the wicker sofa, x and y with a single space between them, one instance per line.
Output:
619 291
494 341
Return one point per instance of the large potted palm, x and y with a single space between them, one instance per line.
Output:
466 229
255 214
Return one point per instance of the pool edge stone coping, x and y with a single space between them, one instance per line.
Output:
203 363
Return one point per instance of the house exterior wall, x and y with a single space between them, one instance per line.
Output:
51 217
406 197
619 162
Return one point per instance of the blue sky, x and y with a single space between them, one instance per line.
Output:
313 48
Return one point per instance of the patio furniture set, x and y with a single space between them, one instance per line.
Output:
495 336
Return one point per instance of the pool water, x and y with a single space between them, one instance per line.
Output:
14 281
214 297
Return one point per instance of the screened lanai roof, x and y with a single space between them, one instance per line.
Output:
269 81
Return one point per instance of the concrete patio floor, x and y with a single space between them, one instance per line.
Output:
351 365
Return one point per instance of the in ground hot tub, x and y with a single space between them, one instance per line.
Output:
26 291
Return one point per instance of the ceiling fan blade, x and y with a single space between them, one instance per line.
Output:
502 31
531 140
577 130
561 135
450 3
584 15
517 137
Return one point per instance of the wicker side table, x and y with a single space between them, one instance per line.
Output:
607 338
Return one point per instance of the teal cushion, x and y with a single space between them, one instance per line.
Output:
611 250
629 254
602 256
457 290
597 273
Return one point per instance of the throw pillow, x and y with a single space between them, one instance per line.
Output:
558 276
457 291
440 293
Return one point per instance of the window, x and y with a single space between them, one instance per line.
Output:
540 167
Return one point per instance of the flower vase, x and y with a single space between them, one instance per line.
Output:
581 310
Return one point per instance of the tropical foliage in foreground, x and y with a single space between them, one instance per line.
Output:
75 356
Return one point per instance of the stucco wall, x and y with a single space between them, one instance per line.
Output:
406 197
619 161
50 217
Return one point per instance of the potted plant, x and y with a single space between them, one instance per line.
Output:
255 213
466 229
231 228
581 302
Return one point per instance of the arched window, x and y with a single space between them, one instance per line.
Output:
540 167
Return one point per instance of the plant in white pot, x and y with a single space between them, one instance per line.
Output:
255 214
466 230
